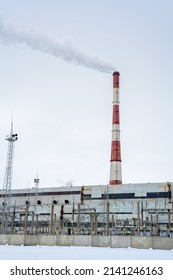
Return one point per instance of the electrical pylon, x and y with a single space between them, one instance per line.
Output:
11 138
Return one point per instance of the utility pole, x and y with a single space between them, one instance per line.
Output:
11 138
36 181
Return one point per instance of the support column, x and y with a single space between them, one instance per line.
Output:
32 221
169 221
78 218
151 230
138 218
91 224
157 224
13 220
107 218
51 219
172 216
36 226
95 221
26 219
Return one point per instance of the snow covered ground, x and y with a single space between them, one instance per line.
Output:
80 253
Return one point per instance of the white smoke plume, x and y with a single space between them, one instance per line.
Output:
63 49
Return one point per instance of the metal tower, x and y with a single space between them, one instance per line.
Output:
12 138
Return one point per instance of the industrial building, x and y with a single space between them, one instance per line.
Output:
114 209
108 209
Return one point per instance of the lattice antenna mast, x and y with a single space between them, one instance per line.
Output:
12 138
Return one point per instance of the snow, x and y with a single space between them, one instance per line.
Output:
81 253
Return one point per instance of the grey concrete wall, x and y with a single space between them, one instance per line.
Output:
120 241
82 240
166 243
15 239
154 242
64 240
100 241
47 240
4 239
143 242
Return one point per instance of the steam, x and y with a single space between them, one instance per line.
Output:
63 48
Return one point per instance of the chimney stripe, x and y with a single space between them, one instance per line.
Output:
116 119
116 79
115 151
115 182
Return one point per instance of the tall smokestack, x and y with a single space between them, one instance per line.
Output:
115 166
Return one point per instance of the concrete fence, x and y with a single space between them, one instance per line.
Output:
165 243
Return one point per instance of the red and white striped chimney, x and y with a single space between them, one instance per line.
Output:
115 166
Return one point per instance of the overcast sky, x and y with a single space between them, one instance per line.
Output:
56 64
